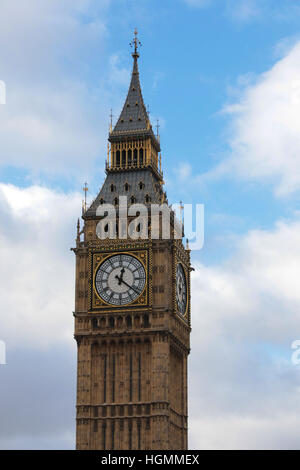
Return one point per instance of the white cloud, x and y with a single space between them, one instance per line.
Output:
118 74
55 102
245 10
244 390
285 45
183 172
37 268
264 135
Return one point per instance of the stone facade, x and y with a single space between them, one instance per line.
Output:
132 360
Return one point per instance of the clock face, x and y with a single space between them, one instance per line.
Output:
120 279
181 289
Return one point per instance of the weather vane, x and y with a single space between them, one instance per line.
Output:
135 43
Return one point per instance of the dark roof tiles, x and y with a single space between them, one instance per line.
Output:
134 116
150 191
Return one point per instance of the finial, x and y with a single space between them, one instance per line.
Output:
85 189
111 120
157 129
135 43
181 207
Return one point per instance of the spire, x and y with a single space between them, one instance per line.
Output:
134 118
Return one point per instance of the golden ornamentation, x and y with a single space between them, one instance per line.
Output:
96 258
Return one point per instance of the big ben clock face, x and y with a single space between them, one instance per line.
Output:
120 279
181 289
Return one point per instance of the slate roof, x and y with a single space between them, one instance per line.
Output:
134 118
151 188
134 115
133 121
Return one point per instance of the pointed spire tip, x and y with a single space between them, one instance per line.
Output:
136 44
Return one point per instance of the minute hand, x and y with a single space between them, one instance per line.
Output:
130 287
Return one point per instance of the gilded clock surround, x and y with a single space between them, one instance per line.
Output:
98 258
185 314
182 256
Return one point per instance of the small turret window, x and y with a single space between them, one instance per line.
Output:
141 185
126 187
147 198
132 200
116 201
112 188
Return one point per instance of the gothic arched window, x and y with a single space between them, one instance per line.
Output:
141 156
129 156
118 158
123 157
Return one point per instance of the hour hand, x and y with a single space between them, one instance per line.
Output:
120 278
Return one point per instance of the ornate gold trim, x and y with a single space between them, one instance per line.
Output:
96 258
186 315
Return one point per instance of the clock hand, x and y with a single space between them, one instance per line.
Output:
120 278
121 275
130 287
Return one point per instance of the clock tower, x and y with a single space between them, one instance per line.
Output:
132 298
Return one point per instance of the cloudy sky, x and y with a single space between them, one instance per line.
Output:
223 77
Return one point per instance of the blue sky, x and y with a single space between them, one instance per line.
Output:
223 77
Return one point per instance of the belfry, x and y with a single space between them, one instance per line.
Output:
132 301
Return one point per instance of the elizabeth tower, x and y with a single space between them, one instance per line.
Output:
132 300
